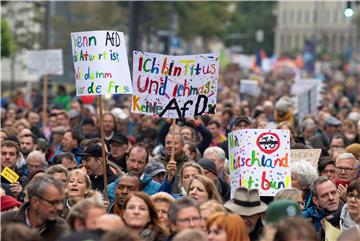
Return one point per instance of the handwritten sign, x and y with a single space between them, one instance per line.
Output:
174 86
9 175
260 158
44 62
100 62
310 155
250 87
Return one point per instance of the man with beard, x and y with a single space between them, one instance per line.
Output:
28 143
126 185
41 212
10 152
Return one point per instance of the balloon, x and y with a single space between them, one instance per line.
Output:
87 99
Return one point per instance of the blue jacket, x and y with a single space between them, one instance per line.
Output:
150 187
316 215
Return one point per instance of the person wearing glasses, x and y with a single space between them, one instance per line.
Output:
345 172
350 214
41 211
183 214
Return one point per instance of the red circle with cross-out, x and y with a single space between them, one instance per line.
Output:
268 142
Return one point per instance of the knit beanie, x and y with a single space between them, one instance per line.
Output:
208 165
8 202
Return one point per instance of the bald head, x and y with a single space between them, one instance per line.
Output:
109 222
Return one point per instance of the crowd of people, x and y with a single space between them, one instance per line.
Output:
169 179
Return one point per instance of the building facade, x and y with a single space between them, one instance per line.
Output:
322 22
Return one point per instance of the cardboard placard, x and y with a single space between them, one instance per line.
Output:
174 86
45 62
260 158
310 155
9 175
101 63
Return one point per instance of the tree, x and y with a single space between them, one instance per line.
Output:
247 19
7 40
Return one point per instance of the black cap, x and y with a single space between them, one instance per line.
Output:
88 121
208 165
119 138
94 150
241 118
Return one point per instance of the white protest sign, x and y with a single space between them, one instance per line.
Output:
174 86
101 63
260 158
250 87
310 155
45 62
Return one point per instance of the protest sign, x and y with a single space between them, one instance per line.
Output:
45 62
260 158
9 175
174 86
310 155
250 87
100 62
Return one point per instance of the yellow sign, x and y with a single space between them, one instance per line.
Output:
331 233
9 175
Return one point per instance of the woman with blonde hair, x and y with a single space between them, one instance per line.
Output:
293 194
202 189
226 227
78 188
208 208
162 202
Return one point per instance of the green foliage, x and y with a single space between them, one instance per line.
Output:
7 40
247 19
206 19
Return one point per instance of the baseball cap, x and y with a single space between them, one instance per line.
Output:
239 119
332 121
94 150
119 138
154 167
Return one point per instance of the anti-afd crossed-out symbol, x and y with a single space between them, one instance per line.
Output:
268 142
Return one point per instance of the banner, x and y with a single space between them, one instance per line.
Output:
101 63
260 158
250 87
310 155
45 62
174 86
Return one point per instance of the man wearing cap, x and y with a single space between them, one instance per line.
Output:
247 204
211 172
118 147
156 170
322 140
241 122
217 155
93 162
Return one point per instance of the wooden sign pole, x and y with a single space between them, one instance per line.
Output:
45 101
173 142
102 135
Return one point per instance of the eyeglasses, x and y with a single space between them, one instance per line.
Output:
345 169
352 195
189 220
51 202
